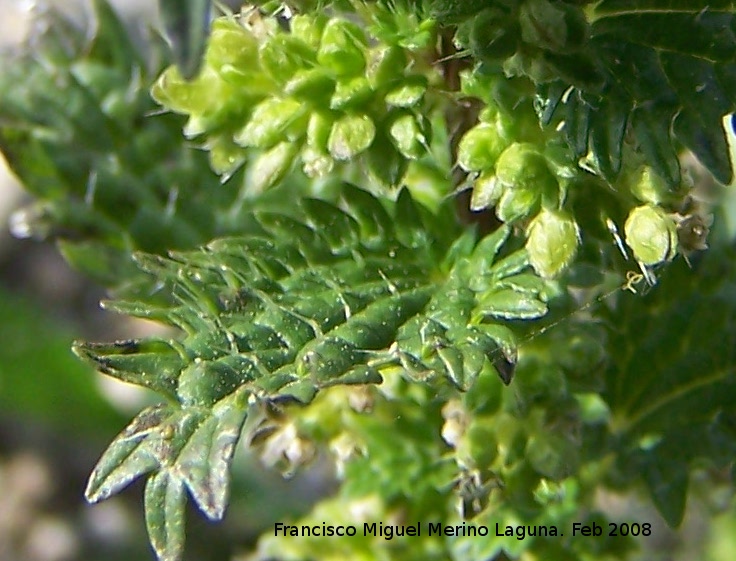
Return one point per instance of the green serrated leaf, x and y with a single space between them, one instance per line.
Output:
165 500
510 265
667 480
677 358
326 296
126 459
510 304
204 462
666 70
154 364
112 44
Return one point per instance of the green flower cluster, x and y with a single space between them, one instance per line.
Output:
321 92
523 173
530 178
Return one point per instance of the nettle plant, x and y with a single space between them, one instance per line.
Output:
403 236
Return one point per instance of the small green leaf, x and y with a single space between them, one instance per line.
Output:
652 126
453 11
342 48
204 461
271 167
673 352
126 458
667 480
510 304
485 253
351 94
154 364
271 122
543 25
112 44
326 295
165 500
384 161
510 265
663 69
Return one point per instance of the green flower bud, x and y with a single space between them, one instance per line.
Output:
225 156
521 166
271 167
480 147
313 85
318 131
200 95
408 94
386 66
552 242
272 121
517 203
651 234
350 136
232 49
342 47
351 94
283 55
408 136
486 191
309 28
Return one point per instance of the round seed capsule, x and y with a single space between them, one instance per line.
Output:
651 234
553 239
